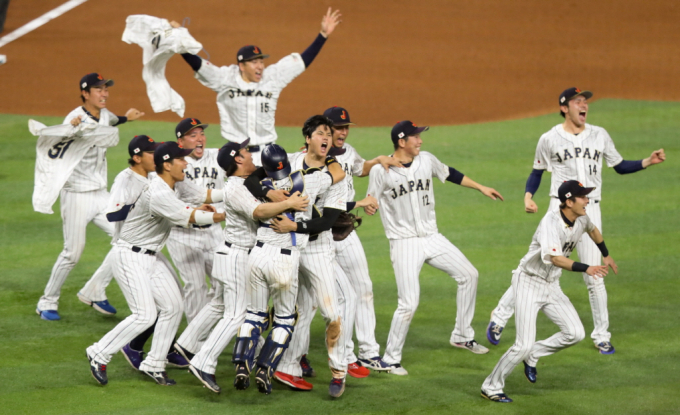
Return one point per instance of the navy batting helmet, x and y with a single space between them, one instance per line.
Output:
275 161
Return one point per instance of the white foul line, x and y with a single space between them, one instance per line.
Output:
36 23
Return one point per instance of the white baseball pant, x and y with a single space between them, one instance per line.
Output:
231 269
589 254
533 294
192 250
153 293
95 287
408 256
349 253
77 210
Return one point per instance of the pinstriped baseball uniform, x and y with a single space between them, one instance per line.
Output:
536 287
149 291
247 109
406 200
349 253
320 285
271 269
83 200
576 157
192 248
231 269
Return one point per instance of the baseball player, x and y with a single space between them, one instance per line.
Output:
575 150
274 267
231 260
146 287
84 195
406 199
247 93
536 284
350 253
192 248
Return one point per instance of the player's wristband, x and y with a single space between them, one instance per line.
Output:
330 160
203 218
603 248
217 195
579 267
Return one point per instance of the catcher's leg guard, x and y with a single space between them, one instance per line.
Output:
247 337
277 342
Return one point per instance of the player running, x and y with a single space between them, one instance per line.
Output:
575 150
406 200
248 93
84 195
536 286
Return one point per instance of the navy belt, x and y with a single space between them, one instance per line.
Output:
201 226
253 149
283 251
143 251
228 244
313 238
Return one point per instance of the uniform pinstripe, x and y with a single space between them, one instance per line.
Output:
536 287
83 200
192 249
406 200
576 157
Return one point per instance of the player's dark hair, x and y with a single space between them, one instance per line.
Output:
396 145
232 169
159 168
131 162
313 123
82 98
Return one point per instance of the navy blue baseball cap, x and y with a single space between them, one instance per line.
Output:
229 151
572 188
94 79
338 115
140 144
571 93
275 161
249 52
168 151
187 125
404 129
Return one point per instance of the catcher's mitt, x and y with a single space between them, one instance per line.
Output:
344 225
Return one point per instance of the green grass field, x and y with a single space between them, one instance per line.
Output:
43 369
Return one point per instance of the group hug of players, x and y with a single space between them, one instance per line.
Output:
276 260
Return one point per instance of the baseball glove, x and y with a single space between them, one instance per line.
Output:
344 225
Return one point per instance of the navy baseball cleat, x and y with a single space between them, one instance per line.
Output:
264 381
493 333
177 360
498 397
49 315
307 369
102 306
606 347
161 378
530 372
242 380
336 388
133 357
375 363
206 379
184 352
98 371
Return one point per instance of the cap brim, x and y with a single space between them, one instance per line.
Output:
154 146
245 143
203 126
586 191
107 82
342 124
420 130
184 152
255 57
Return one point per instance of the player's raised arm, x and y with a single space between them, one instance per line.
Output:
335 170
385 161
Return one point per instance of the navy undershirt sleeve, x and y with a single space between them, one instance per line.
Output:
350 205
455 176
628 166
121 120
310 53
534 181
252 183
320 224
193 60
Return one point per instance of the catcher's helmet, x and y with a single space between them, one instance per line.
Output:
275 161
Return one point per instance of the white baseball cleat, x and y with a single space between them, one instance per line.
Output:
397 369
472 346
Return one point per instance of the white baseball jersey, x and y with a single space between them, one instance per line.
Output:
353 165
126 190
205 172
553 238
576 157
90 173
334 198
248 109
159 42
157 210
315 184
60 150
240 228
406 196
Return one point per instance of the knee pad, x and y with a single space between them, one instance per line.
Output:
277 342
247 337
